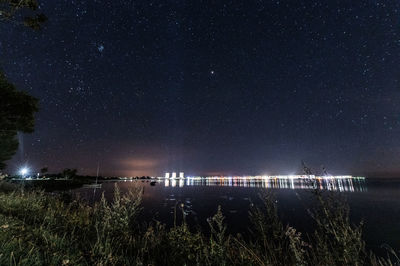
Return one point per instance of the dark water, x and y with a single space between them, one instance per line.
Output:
375 201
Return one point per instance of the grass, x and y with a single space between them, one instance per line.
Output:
50 185
41 229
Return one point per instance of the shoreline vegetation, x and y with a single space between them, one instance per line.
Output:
37 228
52 183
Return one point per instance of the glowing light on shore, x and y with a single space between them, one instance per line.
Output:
24 171
277 177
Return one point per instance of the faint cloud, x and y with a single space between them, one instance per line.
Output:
139 166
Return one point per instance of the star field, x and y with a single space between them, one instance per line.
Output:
232 87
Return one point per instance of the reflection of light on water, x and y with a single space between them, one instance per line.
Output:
173 182
333 184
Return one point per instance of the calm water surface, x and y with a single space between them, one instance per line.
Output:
375 201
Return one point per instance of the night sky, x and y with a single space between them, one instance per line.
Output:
210 87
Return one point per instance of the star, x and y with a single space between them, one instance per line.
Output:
100 48
331 85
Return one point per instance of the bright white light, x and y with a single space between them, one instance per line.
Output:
23 171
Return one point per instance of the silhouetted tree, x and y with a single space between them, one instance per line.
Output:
44 170
69 173
17 110
22 11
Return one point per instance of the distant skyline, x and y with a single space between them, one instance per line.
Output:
228 87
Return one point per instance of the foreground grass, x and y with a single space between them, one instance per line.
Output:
40 229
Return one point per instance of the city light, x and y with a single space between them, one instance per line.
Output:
268 178
23 171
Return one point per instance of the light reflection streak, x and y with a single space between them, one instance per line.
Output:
341 184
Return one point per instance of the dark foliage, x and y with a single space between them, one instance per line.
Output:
22 12
39 229
17 110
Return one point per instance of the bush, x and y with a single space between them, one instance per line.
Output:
41 229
